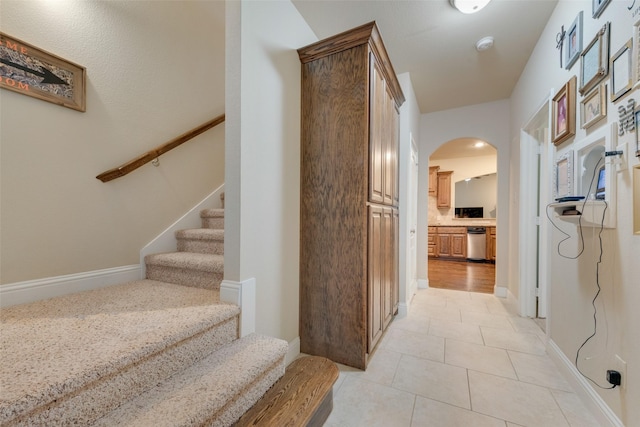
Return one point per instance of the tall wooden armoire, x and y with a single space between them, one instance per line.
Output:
349 195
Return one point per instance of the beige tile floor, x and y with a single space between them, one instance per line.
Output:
458 359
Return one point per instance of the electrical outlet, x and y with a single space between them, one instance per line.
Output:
621 366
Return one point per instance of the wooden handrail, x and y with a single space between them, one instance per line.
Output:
151 155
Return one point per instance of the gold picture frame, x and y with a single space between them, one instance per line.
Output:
636 54
594 60
34 72
593 107
564 113
621 71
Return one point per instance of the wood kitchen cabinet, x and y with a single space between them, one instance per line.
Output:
431 242
348 195
444 189
433 180
491 243
451 242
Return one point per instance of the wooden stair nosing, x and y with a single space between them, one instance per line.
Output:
302 397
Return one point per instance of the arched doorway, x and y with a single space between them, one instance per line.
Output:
462 216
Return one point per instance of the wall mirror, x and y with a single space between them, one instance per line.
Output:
476 197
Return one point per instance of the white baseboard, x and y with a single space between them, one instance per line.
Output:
592 400
511 299
244 295
423 283
500 292
166 241
403 309
293 352
40 289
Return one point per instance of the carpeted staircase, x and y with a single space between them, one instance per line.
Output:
157 352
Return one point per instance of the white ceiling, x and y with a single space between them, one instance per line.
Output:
436 43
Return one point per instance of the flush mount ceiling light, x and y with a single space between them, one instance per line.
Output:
469 6
484 43
479 144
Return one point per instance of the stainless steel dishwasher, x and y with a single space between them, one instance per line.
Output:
476 243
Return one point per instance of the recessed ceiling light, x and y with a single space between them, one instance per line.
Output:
484 43
469 6
479 144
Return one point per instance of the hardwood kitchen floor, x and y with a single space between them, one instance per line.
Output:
461 275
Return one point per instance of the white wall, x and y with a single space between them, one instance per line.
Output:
154 71
409 128
263 161
573 282
488 122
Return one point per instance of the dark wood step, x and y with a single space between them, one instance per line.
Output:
302 397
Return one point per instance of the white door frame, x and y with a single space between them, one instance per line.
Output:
413 217
536 156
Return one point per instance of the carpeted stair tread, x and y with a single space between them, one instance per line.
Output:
201 234
215 391
212 218
212 213
201 240
78 340
188 261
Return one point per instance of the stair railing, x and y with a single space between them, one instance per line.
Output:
152 155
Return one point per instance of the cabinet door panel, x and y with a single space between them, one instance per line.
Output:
396 254
388 261
376 275
389 146
444 189
444 244
377 144
459 245
395 140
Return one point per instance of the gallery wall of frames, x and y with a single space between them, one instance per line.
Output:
604 80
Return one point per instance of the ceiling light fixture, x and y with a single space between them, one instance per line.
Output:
469 6
484 43
479 144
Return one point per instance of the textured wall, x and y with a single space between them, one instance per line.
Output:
154 70
573 281
264 169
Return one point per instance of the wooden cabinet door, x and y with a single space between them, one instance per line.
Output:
375 275
459 245
432 250
491 243
383 135
433 180
388 262
444 189
377 140
443 244
391 186
396 255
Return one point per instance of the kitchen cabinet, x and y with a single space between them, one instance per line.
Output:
491 243
433 180
431 241
348 195
444 189
450 242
